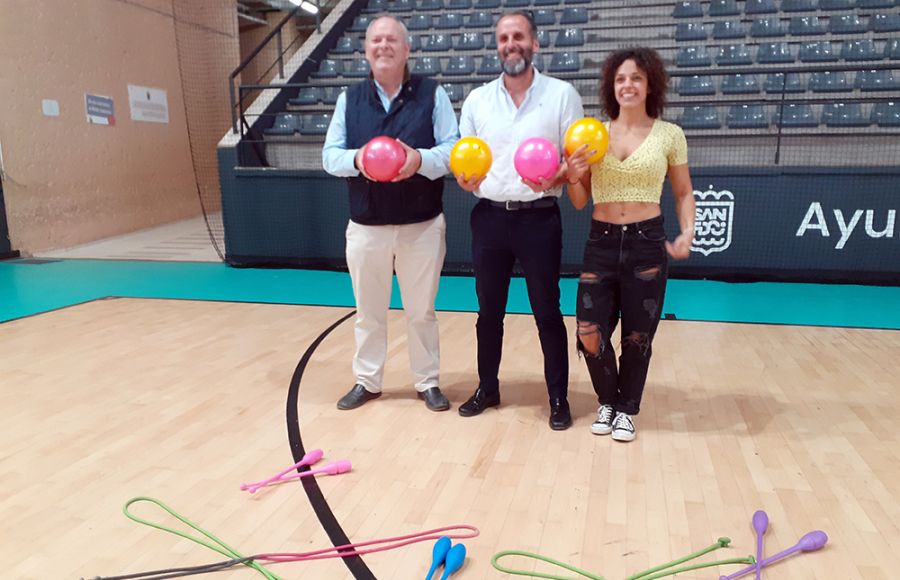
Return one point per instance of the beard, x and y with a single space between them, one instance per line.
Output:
516 66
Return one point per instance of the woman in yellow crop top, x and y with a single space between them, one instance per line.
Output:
626 256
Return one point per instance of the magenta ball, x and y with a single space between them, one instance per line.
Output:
383 158
536 159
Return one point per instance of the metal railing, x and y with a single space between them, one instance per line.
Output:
237 103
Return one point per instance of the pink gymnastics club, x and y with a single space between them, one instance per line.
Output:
310 458
760 524
808 543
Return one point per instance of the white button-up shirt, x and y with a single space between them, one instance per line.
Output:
489 113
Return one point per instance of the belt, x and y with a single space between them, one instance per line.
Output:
511 205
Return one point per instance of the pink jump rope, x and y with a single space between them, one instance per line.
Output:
311 458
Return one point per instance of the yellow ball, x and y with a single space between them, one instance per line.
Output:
590 132
470 157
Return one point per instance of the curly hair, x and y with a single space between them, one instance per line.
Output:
649 61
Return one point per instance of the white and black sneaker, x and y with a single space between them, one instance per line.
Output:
604 423
623 427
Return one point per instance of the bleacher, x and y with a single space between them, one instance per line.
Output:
741 69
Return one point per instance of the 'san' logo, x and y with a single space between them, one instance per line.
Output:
712 225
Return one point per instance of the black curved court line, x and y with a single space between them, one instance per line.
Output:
323 511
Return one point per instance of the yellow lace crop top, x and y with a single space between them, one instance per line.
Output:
641 175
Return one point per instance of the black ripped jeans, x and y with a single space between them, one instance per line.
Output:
624 276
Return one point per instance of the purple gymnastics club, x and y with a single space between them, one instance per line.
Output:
760 524
808 543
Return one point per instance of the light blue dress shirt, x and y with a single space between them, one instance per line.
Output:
338 160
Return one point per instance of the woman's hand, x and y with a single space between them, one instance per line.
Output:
577 164
680 249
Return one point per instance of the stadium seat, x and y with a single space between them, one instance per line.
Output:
723 8
456 93
285 124
490 65
774 52
885 22
570 37
307 96
480 19
358 69
892 49
767 28
402 6
431 5
876 80
449 21
538 62
795 115
332 94
487 4
843 115
316 124
817 52
427 66
693 56
798 5
704 117
544 17
836 4
459 4
543 38
460 65
829 82
690 31
419 22
863 49
547 2
886 114
516 3
734 55
347 45
740 84
360 23
696 86
437 42
778 83
846 24
805 26
728 29
376 6
329 68
687 9
868 4
747 117
565 62
470 41
574 15
760 7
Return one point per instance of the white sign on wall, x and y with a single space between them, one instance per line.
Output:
148 105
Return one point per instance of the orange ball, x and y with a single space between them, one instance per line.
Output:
470 157
590 132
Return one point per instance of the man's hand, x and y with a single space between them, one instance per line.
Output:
471 184
545 184
359 163
412 165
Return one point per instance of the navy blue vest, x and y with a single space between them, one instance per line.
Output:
416 199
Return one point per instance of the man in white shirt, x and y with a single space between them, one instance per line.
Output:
396 226
517 219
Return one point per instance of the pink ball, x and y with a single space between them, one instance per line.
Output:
536 159
383 157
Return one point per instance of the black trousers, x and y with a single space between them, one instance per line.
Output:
624 276
533 236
